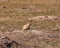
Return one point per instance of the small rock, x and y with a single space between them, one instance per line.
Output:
16 31
52 18
39 18
55 29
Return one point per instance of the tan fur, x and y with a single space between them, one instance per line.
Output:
27 26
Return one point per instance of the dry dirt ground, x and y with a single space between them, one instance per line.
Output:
30 39
45 28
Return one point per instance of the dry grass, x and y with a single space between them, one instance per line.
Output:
16 13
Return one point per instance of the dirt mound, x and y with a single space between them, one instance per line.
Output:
28 39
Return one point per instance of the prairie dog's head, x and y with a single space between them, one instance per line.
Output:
30 20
